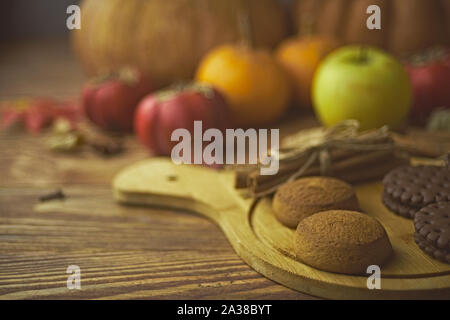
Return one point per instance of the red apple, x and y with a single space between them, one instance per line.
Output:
430 78
159 114
110 101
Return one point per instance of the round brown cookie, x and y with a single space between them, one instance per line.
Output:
399 208
433 252
301 198
418 186
341 241
432 223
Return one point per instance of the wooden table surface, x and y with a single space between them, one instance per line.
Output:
123 252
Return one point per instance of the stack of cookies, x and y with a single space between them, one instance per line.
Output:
408 189
331 234
422 193
432 235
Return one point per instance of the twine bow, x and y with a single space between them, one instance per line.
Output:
315 145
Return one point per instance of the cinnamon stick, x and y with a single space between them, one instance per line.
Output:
422 143
360 167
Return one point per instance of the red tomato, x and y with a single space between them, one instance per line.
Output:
431 85
159 114
111 102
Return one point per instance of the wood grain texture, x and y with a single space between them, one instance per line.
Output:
126 253
122 252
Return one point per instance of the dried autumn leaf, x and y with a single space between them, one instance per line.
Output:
65 142
37 114
12 113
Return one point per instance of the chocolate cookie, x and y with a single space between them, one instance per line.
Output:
399 208
301 198
407 189
433 252
432 225
341 241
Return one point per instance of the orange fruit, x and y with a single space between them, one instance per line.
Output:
256 87
300 58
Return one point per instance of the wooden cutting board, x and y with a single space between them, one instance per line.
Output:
266 245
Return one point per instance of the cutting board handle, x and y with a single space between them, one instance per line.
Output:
159 182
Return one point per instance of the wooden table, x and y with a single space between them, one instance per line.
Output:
123 252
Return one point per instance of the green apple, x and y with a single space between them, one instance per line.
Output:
361 83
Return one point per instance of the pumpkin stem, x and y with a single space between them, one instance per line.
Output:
244 25
127 75
307 28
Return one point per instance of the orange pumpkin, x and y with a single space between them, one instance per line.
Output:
406 26
255 85
167 38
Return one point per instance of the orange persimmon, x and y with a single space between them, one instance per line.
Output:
300 57
254 84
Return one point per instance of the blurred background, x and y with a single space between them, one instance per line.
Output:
168 39
24 19
36 58
33 34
